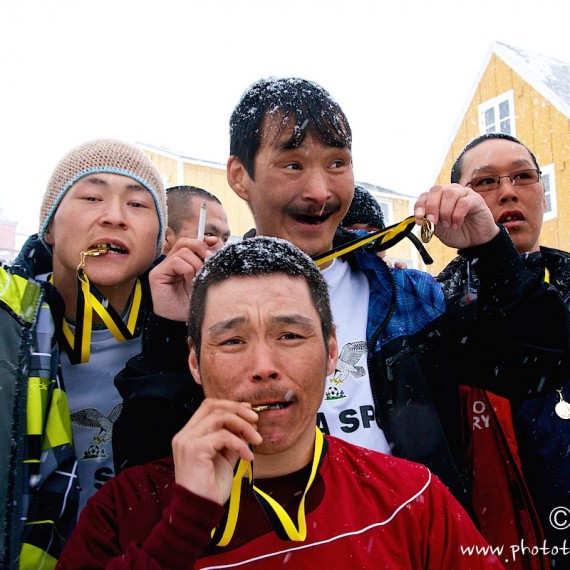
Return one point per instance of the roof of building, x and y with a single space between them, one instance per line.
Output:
549 76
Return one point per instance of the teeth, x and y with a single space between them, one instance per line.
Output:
97 250
264 407
106 247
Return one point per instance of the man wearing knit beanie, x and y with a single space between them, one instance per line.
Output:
82 288
103 156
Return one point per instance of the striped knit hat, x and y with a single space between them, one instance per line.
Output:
103 155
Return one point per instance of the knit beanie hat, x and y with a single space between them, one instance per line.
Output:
103 155
364 209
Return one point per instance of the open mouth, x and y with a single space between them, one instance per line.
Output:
103 248
276 406
311 219
511 217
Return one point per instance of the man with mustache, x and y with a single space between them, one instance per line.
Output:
402 351
251 481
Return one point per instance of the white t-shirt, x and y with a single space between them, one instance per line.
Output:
95 404
348 410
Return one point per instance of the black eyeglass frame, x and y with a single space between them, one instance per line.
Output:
514 181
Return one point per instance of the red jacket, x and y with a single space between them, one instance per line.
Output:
501 499
364 510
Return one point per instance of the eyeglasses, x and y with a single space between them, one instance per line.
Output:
518 178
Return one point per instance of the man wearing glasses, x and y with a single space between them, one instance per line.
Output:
519 451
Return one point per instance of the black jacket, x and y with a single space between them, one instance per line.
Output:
543 438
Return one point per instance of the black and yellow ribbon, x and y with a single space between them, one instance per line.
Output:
383 239
89 299
280 520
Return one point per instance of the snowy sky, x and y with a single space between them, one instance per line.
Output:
169 73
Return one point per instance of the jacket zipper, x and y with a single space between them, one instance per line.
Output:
372 343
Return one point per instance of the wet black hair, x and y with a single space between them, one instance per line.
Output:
456 169
257 256
300 105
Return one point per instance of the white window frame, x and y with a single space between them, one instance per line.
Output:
549 181
494 103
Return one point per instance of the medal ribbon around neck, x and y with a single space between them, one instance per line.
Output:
277 515
90 299
383 239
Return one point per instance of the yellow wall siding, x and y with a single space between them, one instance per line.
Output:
404 250
209 177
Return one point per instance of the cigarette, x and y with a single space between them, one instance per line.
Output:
202 222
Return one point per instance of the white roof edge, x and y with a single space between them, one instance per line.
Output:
506 53
383 192
177 155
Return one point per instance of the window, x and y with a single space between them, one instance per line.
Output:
549 182
497 115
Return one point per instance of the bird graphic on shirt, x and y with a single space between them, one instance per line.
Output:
350 354
93 418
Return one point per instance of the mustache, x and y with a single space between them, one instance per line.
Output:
269 396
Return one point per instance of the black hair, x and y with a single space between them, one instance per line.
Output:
456 169
301 105
177 198
257 256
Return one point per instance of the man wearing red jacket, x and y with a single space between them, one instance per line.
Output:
252 482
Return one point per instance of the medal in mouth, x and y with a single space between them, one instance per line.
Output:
99 249
93 252
263 407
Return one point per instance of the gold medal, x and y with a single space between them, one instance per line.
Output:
562 408
427 230
93 252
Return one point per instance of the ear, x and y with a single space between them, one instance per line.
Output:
48 235
193 365
169 239
332 357
237 177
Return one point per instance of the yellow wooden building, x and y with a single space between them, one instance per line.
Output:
178 169
526 95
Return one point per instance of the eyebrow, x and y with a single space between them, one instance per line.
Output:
226 325
94 179
293 319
